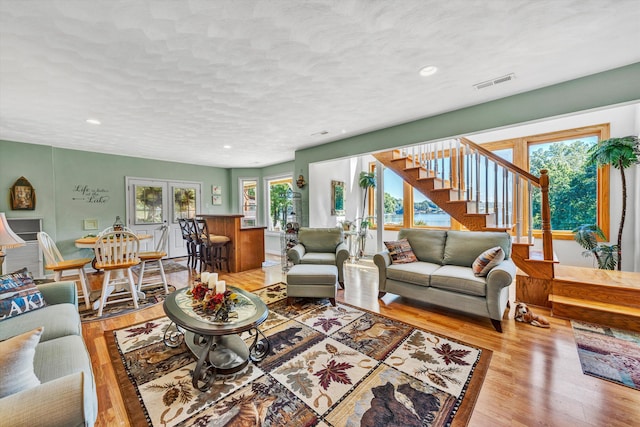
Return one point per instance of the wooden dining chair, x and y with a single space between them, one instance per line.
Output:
151 261
56 263
116 252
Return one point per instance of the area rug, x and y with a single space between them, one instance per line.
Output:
169 266
152 296
608 353
329 366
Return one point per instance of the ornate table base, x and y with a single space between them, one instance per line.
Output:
217 354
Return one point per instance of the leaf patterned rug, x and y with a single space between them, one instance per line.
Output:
329 366
608 353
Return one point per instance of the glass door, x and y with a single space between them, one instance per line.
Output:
146 209
152 203
185 203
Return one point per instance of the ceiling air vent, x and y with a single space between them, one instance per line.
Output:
496 81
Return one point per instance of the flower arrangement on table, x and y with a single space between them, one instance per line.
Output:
212 296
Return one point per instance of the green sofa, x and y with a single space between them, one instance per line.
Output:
67 393
443 275
324 246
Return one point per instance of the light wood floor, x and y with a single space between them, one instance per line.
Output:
534 378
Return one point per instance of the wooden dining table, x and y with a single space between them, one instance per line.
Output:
88 242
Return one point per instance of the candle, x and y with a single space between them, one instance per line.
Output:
221 286
213 279
204 277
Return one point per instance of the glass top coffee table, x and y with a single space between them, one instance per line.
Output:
217 345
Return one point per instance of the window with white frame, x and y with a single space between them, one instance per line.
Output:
279 191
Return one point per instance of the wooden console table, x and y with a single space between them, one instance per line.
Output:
246 250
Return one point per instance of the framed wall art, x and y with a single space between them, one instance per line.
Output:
337 198
23 195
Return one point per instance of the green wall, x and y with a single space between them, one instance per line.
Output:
58 175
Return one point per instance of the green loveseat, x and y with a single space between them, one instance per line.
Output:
324 246
67 393
443 274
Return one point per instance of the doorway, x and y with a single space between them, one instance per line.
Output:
154 202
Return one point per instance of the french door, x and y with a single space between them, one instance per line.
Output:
152 203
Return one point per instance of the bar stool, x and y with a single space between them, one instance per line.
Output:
211 247
188 235
219 251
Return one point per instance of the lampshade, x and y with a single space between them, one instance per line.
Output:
8 239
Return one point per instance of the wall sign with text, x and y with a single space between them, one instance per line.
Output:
84 193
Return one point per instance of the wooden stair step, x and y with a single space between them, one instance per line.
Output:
538 255
613 315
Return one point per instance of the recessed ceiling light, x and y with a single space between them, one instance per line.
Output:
226 146
429 70
93 121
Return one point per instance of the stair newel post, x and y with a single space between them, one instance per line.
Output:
547 239
530 213
517 214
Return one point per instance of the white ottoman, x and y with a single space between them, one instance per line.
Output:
312 281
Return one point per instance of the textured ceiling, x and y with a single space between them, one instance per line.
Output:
178 80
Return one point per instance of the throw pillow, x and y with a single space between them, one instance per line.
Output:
16 362
18 295
400 252
487 260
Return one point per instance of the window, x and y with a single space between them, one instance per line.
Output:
404 206
428 214
577 194
279 194
148 204
184 203
249 201
573 185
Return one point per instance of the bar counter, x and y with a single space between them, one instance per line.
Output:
246 250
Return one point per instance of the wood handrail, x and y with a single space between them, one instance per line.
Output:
502 162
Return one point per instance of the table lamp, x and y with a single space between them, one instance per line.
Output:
8 239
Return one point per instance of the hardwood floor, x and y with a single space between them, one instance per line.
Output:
534 379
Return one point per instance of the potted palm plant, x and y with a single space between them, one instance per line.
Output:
587 236
619 153
366 181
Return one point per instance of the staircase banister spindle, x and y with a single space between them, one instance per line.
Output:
513 168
